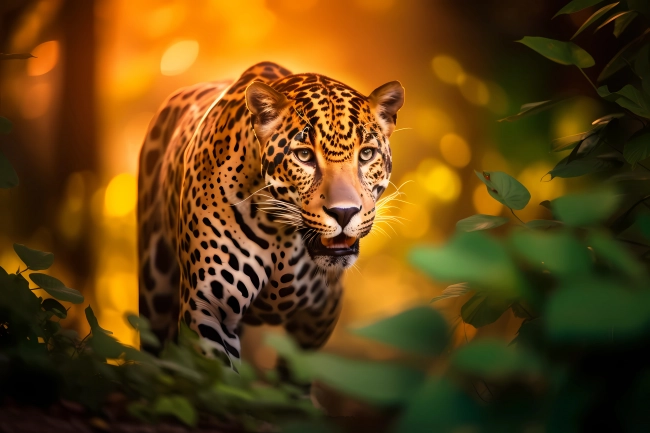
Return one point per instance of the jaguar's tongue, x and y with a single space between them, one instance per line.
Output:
340 241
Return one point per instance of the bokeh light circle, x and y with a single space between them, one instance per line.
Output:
455 150
121 195
179 57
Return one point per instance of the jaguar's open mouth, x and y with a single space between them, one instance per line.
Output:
337 246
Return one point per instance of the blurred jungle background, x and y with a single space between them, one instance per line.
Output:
102 68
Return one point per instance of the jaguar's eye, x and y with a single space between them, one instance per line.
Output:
304 155
366 154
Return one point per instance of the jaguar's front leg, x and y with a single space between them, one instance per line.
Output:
219 280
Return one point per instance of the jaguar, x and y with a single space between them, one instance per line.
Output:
253 195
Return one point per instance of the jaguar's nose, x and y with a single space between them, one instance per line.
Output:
342 215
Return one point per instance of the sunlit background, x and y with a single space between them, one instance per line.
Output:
81 108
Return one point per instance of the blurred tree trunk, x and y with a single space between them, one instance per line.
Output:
76 143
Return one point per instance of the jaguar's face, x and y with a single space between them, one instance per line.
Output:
326 156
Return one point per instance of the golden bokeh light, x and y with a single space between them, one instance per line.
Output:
455 150
431 123
121 195
45 58
246 22
132 77
390 282
439 180
499 102
484 203
416 220
179 57
474 90
574 117
379 236
447 69
532 177
493 161
116 294
134 131
163 19
36 100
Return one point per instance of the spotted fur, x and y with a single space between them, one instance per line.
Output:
233 223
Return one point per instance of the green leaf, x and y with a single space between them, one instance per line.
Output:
613 252
564 53
34 259
106 346
439 406
530 334
420 330
142 325
453 291
493 359
531 109
585 209
558 252
543 224
581 167
138 323
55 307
622 21
642 63
607 118
8 176
624 57
475 258
569 142
480 222
596 311
178 407
5 125
93 322
483 309
594 17
56 288
628 97
576 6
585 142
380 383
611 19
637 148
505 189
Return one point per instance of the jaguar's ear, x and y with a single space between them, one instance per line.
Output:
265 103
386 101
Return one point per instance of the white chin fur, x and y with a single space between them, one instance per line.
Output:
330 263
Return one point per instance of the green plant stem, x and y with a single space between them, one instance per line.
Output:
80 343
590 82
519 219
24 270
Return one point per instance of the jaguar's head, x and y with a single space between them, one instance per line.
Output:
326 158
